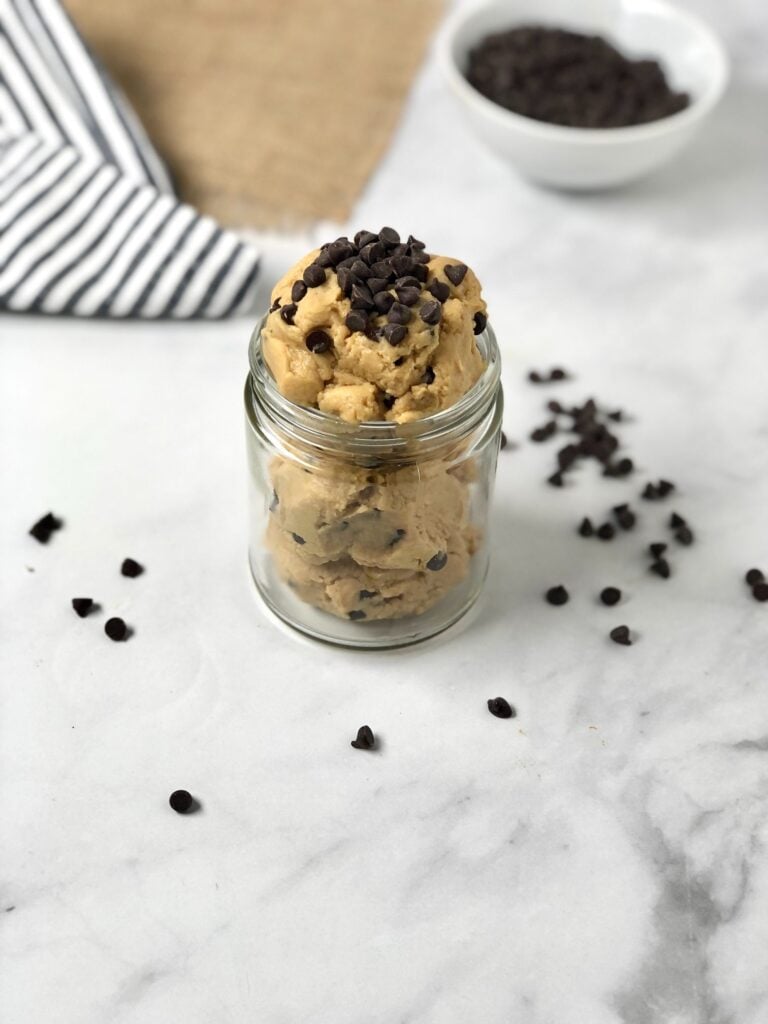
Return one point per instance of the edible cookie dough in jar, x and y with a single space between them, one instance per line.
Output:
373 410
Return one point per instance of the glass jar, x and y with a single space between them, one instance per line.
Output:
370 534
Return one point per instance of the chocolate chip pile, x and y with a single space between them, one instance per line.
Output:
596 438
384 279
572 79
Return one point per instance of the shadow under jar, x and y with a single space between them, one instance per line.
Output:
370 534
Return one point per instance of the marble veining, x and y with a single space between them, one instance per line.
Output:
600 858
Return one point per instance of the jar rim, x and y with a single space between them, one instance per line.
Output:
328 430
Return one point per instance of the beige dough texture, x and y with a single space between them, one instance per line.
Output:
361 543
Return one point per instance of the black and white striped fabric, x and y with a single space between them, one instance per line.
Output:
89 222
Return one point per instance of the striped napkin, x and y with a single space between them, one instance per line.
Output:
90 224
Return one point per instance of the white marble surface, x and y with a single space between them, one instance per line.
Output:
600 859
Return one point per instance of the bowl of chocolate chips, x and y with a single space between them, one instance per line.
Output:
583 96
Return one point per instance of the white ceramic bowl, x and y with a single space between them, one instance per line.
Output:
692 57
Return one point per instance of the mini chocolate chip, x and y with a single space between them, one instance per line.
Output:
131 568
556 480
409 296
298 538
437 561
626 519
620 635
415 243
399 361
323 258
558 374
341 249
346 264
420 273
182 802
389 236
396 538
754 576
534 377
361 297
403 265
361 270
503 442
554 406
365 740
313 276
383 268
376 285
383 301
650 493
567 455
676 521
82 605
429 376
665 488
298 291
480 322
557 595
617 415
684 535
431 312
373 252
363 238
420 257
318 341
501 708
455 272
275 306
366 595
344 275
657 549
610 595
760 591
440 290
621 468
44 527
394 333
115 629
606 531
661 568
586 529
356 614
399 314
288 312
388 401
356 320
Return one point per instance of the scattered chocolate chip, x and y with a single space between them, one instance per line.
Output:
441 291
455 272
313 276
664 488
116 629
534 377
610 595
431 312
437 561
298 291
298 538
620 635
361 297
621 468
365 739
480 322
556 480
503 441
626 518
366 595
318 342
356 320
389 236
557 595
82 605
650 493
676 521
567 455
760 591
558 374
383 301
429 376
288 312
182 802
44 527
554 406
356 614
131 568
586 529
501 708
394 333
617 416
399 314
544 433
684 535
661 568
657 549
606 531
754 576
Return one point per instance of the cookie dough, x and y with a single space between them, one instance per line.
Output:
374 329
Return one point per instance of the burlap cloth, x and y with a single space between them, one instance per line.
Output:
270 113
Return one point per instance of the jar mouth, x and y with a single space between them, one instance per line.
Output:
328 430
